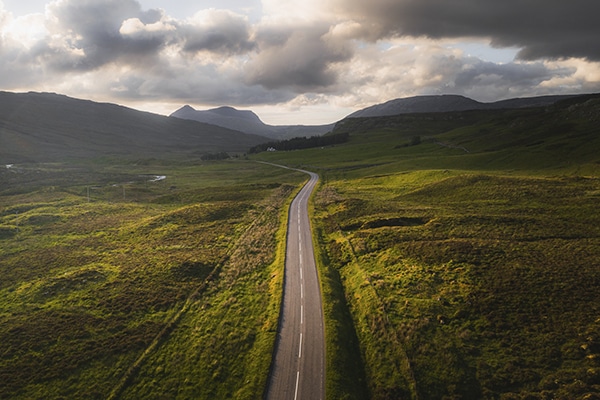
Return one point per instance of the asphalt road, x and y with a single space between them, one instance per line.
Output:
298 371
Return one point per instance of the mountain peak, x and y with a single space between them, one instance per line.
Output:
225 116
68 128
230 112
248 122
187 107
224 109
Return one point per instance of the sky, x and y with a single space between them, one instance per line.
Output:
297 62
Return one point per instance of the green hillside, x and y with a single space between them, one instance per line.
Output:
463 251
117 284
459 255
42 127
556 137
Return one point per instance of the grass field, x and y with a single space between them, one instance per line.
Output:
469 260
459 258
118 285
473 286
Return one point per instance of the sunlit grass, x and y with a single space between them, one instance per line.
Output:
497 275
94 279
467 274
446 273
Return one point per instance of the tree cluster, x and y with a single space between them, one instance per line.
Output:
301 143
215 156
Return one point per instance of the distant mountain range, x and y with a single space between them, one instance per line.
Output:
37 127
47 127
248 122
449 103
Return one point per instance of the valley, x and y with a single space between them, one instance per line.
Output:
457 253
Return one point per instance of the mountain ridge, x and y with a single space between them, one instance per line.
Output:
248 122
47 126
448 103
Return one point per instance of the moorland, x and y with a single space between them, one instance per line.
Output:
458 254
116 284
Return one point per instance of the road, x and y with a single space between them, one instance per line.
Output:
298 370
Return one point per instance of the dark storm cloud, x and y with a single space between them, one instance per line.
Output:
552 29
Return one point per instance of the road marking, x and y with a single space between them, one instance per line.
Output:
297 381
303 227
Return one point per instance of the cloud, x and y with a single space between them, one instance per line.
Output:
408 68
135 28
89 34
299 57
513 77
219 31
541 28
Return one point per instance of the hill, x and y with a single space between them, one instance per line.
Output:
536 137
465 245
248 122
47 127
458 256
447 103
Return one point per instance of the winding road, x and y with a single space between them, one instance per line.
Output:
298 370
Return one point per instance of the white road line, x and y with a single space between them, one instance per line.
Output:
297 381
301 290
301 278
300 347
301 314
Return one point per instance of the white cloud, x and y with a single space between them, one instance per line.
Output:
297 11
135 27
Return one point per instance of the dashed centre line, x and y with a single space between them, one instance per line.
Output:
303 328
297 381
